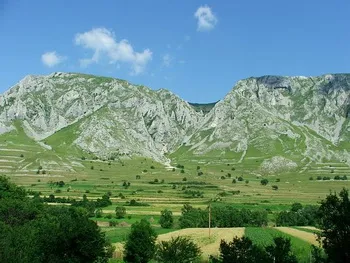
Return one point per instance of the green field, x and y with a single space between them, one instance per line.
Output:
30 164
264 237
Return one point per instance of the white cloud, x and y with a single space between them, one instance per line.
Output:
206 19
51 59
167 59
104 44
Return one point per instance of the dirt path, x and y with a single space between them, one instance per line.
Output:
306 236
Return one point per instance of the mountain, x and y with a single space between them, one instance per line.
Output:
286 122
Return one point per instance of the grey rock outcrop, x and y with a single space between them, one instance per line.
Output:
298 117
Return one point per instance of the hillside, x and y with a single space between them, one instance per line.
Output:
269 124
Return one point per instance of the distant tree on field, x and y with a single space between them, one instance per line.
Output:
166 219
264 181
120 212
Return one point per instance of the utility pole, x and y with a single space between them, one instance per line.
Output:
209 218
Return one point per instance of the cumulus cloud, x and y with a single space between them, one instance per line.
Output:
51 59
104 45
167 59
206 19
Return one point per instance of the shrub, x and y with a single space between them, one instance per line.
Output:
264 181
120 212
274 187
319 177
311 178
182 171
234 181
240 179
184 179
152 167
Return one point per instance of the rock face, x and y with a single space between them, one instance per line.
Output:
293 117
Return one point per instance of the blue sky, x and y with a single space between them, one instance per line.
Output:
197 49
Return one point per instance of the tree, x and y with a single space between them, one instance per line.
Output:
334 213
296 207
178 250
120 212
280 251
140 245
166 219
264 181
241 250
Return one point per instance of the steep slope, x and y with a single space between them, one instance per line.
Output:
295 118
110 116
281 123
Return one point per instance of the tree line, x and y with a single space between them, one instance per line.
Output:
34 232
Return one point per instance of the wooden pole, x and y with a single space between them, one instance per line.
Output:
209 219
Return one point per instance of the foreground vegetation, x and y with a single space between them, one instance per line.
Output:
32 231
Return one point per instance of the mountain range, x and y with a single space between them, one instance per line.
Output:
288 122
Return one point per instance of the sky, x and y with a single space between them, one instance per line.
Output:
198 49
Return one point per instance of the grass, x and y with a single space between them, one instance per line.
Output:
264 237
120 234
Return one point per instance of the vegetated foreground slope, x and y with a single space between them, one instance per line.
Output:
268 125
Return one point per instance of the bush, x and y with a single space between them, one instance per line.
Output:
274 187
240 179
184 179
177 250
120 212
319 178
152 167
311 178
247 181
234 181
182 171
264 181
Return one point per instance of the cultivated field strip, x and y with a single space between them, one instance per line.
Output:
306 236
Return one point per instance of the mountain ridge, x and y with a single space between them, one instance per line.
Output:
273 116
